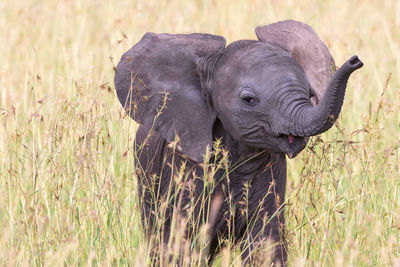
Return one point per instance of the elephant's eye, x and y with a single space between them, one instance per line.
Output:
249 100
248 96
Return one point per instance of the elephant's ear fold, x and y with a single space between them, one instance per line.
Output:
158 85
305 47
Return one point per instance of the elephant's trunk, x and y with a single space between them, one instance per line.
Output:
312 121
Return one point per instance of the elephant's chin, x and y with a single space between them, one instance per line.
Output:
292 145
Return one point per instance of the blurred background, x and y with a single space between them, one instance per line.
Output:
67 186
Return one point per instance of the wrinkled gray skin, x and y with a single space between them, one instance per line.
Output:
258 97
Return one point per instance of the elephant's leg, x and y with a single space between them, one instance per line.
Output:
214 250
264 240
264 231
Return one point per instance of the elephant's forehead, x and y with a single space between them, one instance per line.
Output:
264 74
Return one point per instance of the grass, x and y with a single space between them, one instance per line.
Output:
67 187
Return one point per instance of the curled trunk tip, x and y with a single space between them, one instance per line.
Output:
355 63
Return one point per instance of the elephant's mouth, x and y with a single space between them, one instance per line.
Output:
292 145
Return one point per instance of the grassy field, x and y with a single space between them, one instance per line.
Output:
67 187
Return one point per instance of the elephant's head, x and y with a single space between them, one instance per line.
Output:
270 94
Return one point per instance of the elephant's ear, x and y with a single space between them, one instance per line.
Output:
305 47
158 85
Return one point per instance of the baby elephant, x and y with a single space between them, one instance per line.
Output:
255 100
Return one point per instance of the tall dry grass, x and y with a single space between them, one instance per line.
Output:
67 186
